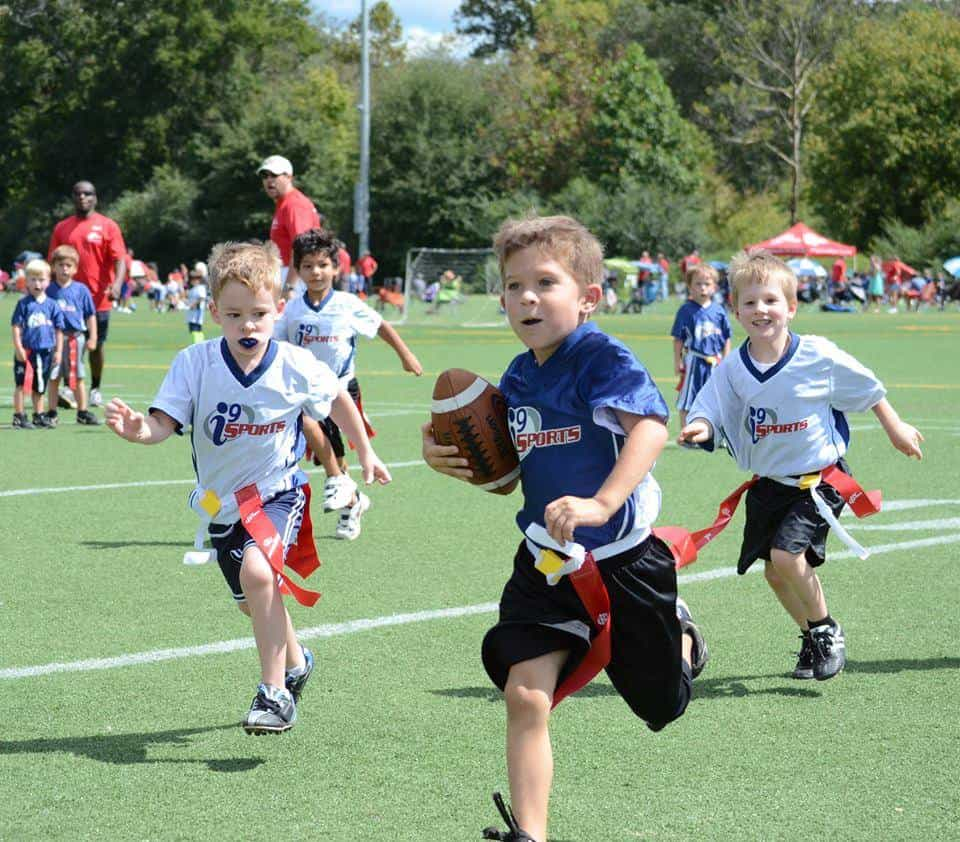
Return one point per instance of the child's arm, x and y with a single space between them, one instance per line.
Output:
346 416
92 333
444 458
903 436
407 357
646 436
698 431
677 356
137 427
18 348
57 346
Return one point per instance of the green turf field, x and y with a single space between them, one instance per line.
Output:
123 673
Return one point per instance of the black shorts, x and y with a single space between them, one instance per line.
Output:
41 361
783 517
331 430
646 665
103 327
231 540
193 327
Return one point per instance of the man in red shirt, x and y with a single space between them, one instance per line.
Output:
294 212
102 268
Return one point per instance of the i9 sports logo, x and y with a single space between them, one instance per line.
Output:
762 422
224 424
526 430
308 334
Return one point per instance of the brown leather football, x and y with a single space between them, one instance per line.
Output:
471 413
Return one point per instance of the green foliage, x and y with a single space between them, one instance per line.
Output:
928 245
499 24
887 134
385 34
736 219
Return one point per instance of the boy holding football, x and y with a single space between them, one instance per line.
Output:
780 404
243 396
589 502
327 322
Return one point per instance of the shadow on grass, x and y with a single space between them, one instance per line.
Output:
492 694
903 665
123 749
118 545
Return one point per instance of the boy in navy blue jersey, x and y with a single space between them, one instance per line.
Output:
591 587
701 335
79 335
37 326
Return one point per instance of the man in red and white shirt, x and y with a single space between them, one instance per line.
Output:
294 212
102 267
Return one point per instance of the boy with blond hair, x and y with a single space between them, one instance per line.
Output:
37 328
242 396
780 402
591 587
701 335
79 335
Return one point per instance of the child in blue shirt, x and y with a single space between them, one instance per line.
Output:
701 335
37 327
591 586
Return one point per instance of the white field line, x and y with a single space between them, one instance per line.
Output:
354 626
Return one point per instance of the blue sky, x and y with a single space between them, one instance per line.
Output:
422 20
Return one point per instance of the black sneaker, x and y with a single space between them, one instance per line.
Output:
41 422
52 417
699 655
804 668
20 422
829 650
513 833
85 416
296 680
273 711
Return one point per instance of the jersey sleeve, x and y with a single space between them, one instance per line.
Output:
853 386
86 307
118 249
616 380
726 329
365 320
59 322
322 387
176 394
679 322
19 314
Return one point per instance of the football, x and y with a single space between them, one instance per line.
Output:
471 413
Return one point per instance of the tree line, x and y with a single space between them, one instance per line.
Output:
662 125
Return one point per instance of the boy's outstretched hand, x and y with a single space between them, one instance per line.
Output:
565 514
372 469
906 438
411 364
696 432
126 422
444 458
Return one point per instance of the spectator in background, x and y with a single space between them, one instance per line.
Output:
344 263
875 287
102 269
894 284
838 277
368 268
664 265
294 212
688 262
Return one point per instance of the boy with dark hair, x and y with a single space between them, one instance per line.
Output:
327 323
780 404
591 587
37 328
243 396
79 334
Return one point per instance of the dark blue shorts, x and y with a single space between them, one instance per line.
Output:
231 540
42 363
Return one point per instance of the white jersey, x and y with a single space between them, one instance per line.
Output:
196 304
788 419
329 329
245 428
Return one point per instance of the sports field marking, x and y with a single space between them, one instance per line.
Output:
354 626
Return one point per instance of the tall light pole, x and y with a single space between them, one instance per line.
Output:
361 195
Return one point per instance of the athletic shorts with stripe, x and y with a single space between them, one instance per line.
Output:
63 370
646 665
231 540
41 361
331 430
784 517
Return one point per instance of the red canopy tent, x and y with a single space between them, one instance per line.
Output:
802 241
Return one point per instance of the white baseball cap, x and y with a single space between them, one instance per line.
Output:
276 165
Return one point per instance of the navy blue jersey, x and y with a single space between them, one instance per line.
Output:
38 321
76 304
703 330
566 432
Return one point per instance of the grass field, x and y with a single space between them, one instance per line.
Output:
123 673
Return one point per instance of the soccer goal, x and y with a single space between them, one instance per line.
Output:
451 286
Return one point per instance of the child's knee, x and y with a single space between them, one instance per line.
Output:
256 572
784 563
525 704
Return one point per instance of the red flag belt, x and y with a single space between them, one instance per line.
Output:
73 358
302 556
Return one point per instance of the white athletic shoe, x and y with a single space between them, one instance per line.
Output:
338 491
349 526
96 399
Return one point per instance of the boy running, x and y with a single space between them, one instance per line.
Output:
327 323
243 396
780 404
589 500
79 335
37 328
